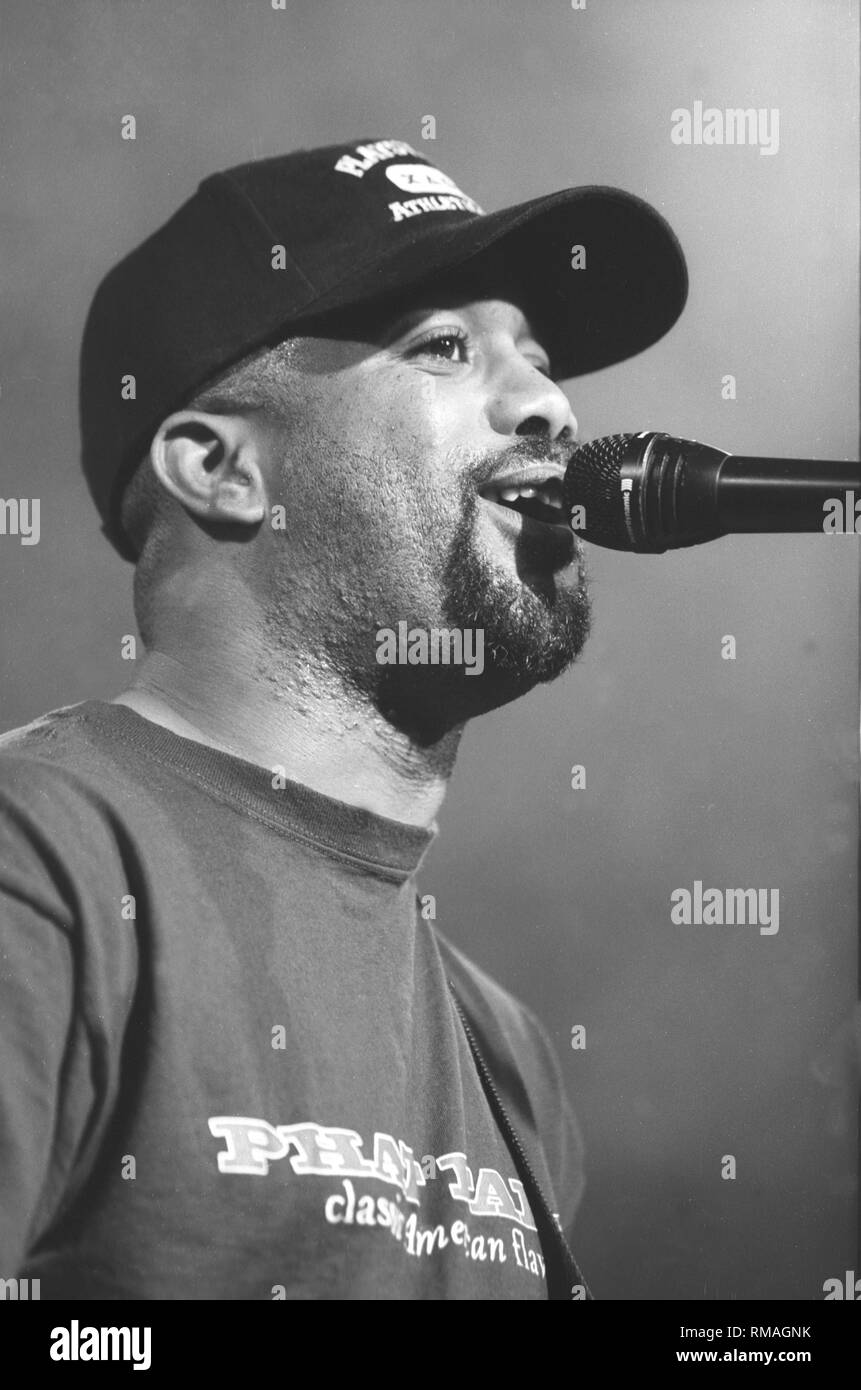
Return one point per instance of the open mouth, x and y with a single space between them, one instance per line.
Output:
538 497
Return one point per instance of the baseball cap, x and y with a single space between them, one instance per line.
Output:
263 249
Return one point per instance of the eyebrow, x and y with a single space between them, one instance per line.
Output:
391 329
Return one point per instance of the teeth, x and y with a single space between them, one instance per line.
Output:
511 494
546 493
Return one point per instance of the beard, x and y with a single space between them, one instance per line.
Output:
533 629
361 582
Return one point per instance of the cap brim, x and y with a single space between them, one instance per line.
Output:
621 293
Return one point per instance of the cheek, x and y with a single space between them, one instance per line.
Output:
378 460
432 426
392 441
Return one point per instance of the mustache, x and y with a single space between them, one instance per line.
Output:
554 453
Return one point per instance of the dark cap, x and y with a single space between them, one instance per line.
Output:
266 247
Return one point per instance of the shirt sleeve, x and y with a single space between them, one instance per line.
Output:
36 1009
54 1015
558 1126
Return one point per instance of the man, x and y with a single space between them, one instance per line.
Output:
320 407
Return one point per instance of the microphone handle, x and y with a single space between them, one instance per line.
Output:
768 494
678 492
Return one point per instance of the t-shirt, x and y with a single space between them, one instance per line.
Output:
231 1066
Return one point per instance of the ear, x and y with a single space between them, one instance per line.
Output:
212 465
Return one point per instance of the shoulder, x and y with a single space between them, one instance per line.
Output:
65 881
61 796
521 1027
58 757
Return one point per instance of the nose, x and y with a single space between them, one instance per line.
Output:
526 402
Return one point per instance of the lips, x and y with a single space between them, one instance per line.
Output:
535 493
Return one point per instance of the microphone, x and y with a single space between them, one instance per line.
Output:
650 493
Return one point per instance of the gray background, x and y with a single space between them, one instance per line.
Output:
701 1041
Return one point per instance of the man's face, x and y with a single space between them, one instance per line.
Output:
403 440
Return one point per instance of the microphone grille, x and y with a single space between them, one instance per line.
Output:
592 481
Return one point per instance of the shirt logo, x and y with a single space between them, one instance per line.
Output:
341 1157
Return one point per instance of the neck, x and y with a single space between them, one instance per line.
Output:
309 722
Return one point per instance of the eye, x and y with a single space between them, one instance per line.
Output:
450 345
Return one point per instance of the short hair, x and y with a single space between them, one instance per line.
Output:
255 382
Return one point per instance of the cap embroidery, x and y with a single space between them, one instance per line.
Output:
366 156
